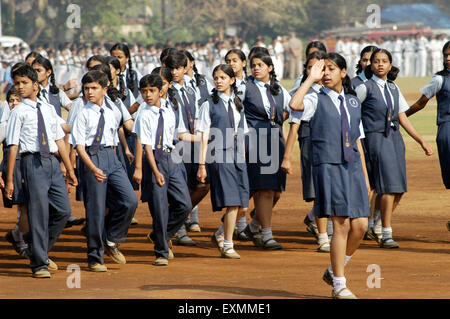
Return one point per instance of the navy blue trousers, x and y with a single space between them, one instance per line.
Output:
116 193
48 205
169 205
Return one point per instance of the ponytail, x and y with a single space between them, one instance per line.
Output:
215 96
130 80
198 77
347 86
54 89
237 100
274 86
172 99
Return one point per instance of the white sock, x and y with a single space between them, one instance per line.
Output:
219 232
254 225
266 233
227 244
110 244
347 259
322 238
386 232
339 283
370 225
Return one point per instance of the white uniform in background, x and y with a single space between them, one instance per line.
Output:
408 57
397 55
435 50
355 58
421 56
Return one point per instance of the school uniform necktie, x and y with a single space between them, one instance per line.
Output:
44 94
389 112
188 111
44 149
159 137
230 114
345 133
192 84
98 135
272 103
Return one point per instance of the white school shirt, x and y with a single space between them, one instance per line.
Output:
86 123
361 92
433 87
310 106
146 125
63 98
262 89
296 85
177 86
204 119
4 114
22 128
295 116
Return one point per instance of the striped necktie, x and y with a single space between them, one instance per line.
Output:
345 133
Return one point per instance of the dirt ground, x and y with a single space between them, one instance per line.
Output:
418 269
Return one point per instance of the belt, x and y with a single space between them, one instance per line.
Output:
33 153
100 148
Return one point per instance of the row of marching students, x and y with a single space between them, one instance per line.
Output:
256 105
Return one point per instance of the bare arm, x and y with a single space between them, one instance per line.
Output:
363 163
151 159
420 104
201 174
286 164
137 176
409 128
9 189
98 173
70 174
316 74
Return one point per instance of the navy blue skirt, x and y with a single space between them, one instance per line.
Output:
340 190
264 171
304 140
386 156
443 146
229 185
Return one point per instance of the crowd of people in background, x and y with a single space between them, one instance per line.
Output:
414 54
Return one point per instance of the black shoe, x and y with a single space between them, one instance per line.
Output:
10 238
255 237
75 222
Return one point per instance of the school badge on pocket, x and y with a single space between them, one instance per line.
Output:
392 86
190 91
353 102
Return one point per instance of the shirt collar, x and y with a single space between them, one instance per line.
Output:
316 87
187 78
362 76
30 102
156 109
333 94
177 85
260 83
379 81
225 98
47 88
95 107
